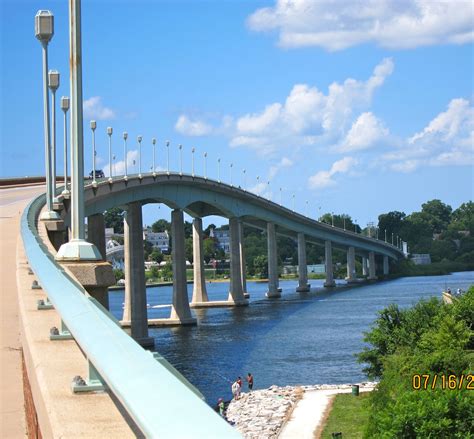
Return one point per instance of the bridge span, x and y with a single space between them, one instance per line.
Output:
76 294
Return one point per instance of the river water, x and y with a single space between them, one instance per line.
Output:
302 338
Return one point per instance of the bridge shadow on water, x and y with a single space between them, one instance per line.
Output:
301 338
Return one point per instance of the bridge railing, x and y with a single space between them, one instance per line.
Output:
152 393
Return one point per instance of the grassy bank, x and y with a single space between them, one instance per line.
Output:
349 415
407 268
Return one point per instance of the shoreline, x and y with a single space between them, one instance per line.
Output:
286 412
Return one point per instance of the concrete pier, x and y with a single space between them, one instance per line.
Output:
273 290
243 265
365 269
329 283
96 232
385 266
135 310
303 285
351 272
199 286
180 310
236 294
372 275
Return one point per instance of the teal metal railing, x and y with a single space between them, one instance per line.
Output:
154 394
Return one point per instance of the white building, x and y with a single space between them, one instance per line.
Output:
159 240
421 258
223 239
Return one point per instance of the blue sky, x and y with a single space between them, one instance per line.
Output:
357 108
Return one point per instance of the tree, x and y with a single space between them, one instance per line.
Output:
463 217
207 230
209 248
188 249
260 266
113 218
167 271
437 214
160 226
147 249
392 222
156 255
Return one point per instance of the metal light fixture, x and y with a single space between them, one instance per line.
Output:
109 133
139 138
180 147
44 31
192 161
65 108
93 128
218 170
125 153
168 157
153 141
53 84
231 166
205 165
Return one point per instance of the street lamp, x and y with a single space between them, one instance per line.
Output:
93 127
139 138
180 159
53 84
44 31
281 198
65 108
192 161
231 166
258 183
344 222
125 152
355 226
385 235
153 141
113 160
219 170
109 133
205 165
244 182
168 157
332 219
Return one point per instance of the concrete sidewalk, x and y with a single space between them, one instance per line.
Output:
12 414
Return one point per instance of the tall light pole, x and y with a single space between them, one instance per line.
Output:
332 219
180 159
355 226
231 166
44 31
168 157
385 235
218 170
205 165
53 84
244 179
153 142
113 160
77 248
93 127
281 198
258 183
65 108
344 221
192 160
139 138
125 153
109 133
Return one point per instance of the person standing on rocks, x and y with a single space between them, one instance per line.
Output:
236 390
221 406
250 381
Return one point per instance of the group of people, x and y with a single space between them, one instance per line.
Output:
236 390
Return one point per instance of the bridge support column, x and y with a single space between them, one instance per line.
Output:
365 270
199 287
329 270
135 310
273 290
385 266
372 275
243 265
236 294
303 285
351 274
96 232
180 310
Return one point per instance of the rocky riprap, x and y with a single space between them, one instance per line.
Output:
261 414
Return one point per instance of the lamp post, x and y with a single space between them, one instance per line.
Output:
258 183
44 31
113 160
153 142
231 166
293 201
125 152
281 198
180 159
205 165
65 108
93 127
344 222
219 170
385 235
77 249
53 84
109 133
355 226
168 157
332 219
139 138
192 161
244 182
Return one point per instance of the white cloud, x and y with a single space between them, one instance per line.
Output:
285 162
395 24
188 127
95 110
308 116
447 140
120 165
324 178
365 132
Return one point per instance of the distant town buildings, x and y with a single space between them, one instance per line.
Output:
159 240
222 237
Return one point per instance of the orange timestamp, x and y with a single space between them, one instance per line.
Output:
444 382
